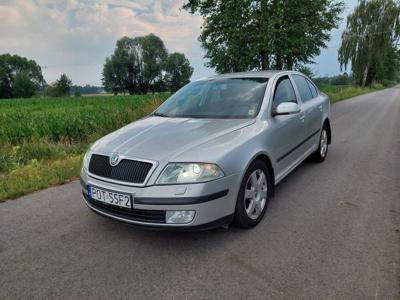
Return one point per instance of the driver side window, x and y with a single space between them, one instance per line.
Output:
284 92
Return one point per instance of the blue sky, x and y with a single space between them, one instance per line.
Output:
75 37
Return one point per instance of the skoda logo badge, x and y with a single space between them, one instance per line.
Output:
114 159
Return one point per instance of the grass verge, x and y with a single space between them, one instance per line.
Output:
37 175
342 92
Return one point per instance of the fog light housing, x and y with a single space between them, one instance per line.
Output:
179 216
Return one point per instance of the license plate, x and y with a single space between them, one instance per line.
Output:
110 197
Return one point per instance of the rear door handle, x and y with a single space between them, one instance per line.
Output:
302 117
320 107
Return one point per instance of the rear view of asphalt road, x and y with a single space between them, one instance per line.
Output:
330 232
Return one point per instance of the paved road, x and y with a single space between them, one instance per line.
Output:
331 232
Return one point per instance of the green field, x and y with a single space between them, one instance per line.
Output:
42 140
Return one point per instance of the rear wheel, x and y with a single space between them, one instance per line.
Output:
253 195
322 151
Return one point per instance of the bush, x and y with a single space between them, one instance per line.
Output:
59 88
388 83
77 92
343 79
377 86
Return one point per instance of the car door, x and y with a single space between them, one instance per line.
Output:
286 130
317 104
311 106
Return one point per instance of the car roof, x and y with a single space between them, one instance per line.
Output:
251 74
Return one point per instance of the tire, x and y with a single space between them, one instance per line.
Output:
322 151
250 210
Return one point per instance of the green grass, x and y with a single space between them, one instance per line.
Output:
42 140
342 92
38 174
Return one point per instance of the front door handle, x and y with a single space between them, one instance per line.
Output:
302 117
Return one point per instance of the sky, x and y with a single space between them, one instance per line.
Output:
75 37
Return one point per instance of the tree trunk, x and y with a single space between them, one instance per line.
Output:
365 75
278 65
264 61
290 63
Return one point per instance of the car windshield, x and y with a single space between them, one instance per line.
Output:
229 98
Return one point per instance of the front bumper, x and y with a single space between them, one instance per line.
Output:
214 203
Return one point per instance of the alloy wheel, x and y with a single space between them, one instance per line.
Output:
255 194
323 144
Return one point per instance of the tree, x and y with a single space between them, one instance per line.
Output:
77 92
23 86
87 89
342 79
136 65
178 71
391 65
63 85
306 71
114 75
370 40
19 77
240 35
60 88
154 56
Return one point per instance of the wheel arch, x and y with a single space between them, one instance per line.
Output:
327 123
264 157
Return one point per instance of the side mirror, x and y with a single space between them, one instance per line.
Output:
286 108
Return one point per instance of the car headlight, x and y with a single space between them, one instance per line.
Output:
189 173
86 160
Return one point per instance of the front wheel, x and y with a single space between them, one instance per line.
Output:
322 151
253 195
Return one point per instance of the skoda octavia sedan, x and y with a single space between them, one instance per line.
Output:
211 154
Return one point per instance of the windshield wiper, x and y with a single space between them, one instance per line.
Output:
160 115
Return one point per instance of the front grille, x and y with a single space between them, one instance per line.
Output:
140 215
132 171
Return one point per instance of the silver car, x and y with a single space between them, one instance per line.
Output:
211 154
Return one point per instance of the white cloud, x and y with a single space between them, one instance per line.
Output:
75 36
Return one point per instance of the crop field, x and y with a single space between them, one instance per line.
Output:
42 140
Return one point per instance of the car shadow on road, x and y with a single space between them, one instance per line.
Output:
291 178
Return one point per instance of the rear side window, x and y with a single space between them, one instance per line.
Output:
303 88
284 92
313 89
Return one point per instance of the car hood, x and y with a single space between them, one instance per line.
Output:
159 138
